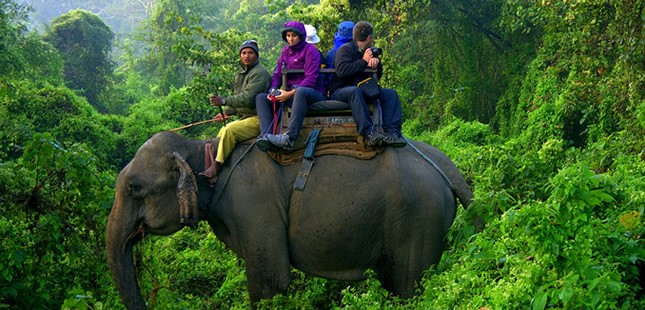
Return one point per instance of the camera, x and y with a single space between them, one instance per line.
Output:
376 51
275 92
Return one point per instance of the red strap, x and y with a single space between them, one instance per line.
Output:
275 114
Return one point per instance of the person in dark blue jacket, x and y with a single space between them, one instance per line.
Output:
342 36
350 62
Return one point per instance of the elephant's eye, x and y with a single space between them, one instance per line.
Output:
136 190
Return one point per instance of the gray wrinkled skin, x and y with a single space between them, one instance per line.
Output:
389 214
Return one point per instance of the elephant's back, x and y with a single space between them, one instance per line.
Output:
397 180
351 210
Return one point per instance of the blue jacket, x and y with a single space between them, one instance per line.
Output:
331 54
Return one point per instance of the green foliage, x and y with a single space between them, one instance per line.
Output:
560 188
466 132
153 115
24 54
569 250
163 32
121 15
12 29
575 242
194 265
445 57
587 66
55 205
32 108
84 41
129 88
81 300
325 16
44 61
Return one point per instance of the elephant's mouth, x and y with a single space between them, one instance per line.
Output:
158 226
137 234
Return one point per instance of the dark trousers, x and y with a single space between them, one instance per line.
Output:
265 110
354 96
390 105
303 97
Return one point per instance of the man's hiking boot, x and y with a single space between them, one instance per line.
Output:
394 140
281 140
373 138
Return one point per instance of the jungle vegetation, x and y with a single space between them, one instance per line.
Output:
541 104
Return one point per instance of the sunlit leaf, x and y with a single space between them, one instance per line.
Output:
630 219
539 302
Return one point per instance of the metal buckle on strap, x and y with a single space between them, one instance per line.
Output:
307 161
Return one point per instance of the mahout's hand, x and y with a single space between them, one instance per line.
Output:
216 100
221 117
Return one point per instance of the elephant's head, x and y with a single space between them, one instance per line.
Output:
156 193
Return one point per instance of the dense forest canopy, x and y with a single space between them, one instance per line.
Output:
541 104
123 16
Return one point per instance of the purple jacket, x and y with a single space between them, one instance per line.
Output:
301 56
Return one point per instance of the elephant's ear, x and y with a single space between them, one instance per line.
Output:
187 193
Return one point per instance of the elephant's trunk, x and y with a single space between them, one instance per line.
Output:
123 232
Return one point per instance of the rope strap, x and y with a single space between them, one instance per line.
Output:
445 177
228 177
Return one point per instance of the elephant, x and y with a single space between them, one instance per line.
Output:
389 214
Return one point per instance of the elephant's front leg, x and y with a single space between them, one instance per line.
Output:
267 266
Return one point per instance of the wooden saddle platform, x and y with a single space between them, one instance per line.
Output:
338 134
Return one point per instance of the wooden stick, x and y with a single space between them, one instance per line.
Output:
193 124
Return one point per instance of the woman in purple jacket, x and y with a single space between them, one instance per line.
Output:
299 91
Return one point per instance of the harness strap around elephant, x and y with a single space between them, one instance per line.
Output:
307 161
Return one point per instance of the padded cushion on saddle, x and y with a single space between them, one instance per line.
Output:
328 105
357 150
